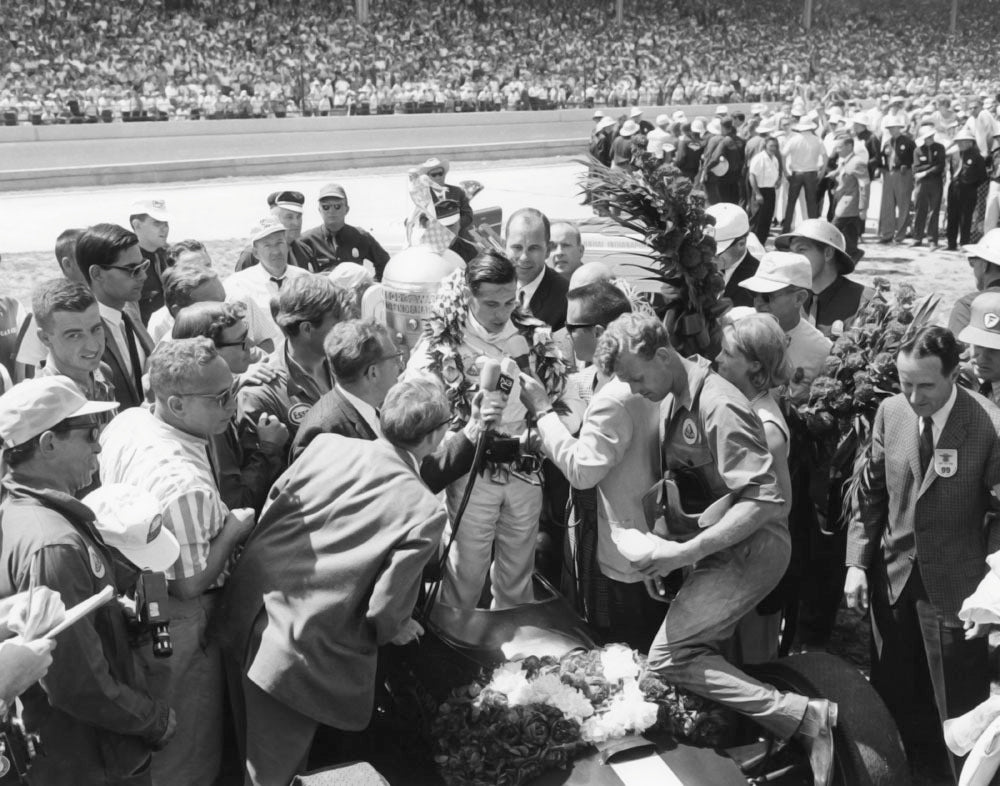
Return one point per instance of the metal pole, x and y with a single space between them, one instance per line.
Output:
807 14
619 12
953 26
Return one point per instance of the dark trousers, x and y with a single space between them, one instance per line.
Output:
922 666
722 190
808 183
761 214
852 228
827 186
961 206
928 209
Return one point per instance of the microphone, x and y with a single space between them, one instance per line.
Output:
489 377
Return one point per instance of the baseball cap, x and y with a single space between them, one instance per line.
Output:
821 231
332 191
129 518
780 269
290 200
36 405
731 223
264 228
892 122
983 329
988 248
154 208
350 275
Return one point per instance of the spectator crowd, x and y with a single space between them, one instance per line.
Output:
79 61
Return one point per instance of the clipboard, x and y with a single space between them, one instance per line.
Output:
81 610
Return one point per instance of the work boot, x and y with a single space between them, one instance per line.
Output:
816 735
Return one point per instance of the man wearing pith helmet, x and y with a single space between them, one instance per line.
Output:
836 299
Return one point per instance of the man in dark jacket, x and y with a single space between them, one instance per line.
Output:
929 161
968 173
97 721
452 207
336 241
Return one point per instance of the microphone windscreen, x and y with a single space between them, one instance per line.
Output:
489 377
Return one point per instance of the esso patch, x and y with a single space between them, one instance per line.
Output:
689 432
96 563
297 413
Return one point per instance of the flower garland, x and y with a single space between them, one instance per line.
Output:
537 714
445 332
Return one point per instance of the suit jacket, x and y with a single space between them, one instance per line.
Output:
123 381
549 301
746 269
330 573
334 414
940 521
617 451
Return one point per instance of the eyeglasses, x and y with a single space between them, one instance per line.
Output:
397 356
243 343
330 205
91 425
572 327
134 271
223 399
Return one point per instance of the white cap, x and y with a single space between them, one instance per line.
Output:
731 223
154 208
605 122
629 128
988 248
129 518
635 112
349 275
36 405
721 109
663 120
264 228
892 122
780 269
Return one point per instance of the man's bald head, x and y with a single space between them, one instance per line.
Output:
590 273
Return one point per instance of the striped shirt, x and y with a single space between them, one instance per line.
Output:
141 450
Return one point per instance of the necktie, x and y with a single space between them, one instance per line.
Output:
133 353
278 281
926 445
986 389
520 298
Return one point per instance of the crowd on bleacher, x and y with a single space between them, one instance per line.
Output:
77 61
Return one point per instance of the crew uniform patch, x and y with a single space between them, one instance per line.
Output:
945 462
689 432
297 413
96 563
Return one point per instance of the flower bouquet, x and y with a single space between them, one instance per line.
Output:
533 715
858 375
657 203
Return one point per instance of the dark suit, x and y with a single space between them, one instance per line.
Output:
122 379
923 543
741 296
463 244
549 301
334 414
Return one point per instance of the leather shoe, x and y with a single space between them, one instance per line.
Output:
816 734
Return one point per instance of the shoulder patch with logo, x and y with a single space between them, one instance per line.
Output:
297 413
689 432
96 563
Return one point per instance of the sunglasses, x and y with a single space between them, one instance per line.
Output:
243 343
223 399
134 271
325 206
436 173
572 327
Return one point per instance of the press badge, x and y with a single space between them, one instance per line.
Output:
945 463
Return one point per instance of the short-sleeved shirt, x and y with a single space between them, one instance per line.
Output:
766 169
348 244
713 441
140 449
100 388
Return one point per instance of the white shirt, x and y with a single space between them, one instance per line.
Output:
529 289
366 410
114 318
161 324
255 285
808 349
804 153
939 418
765 168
